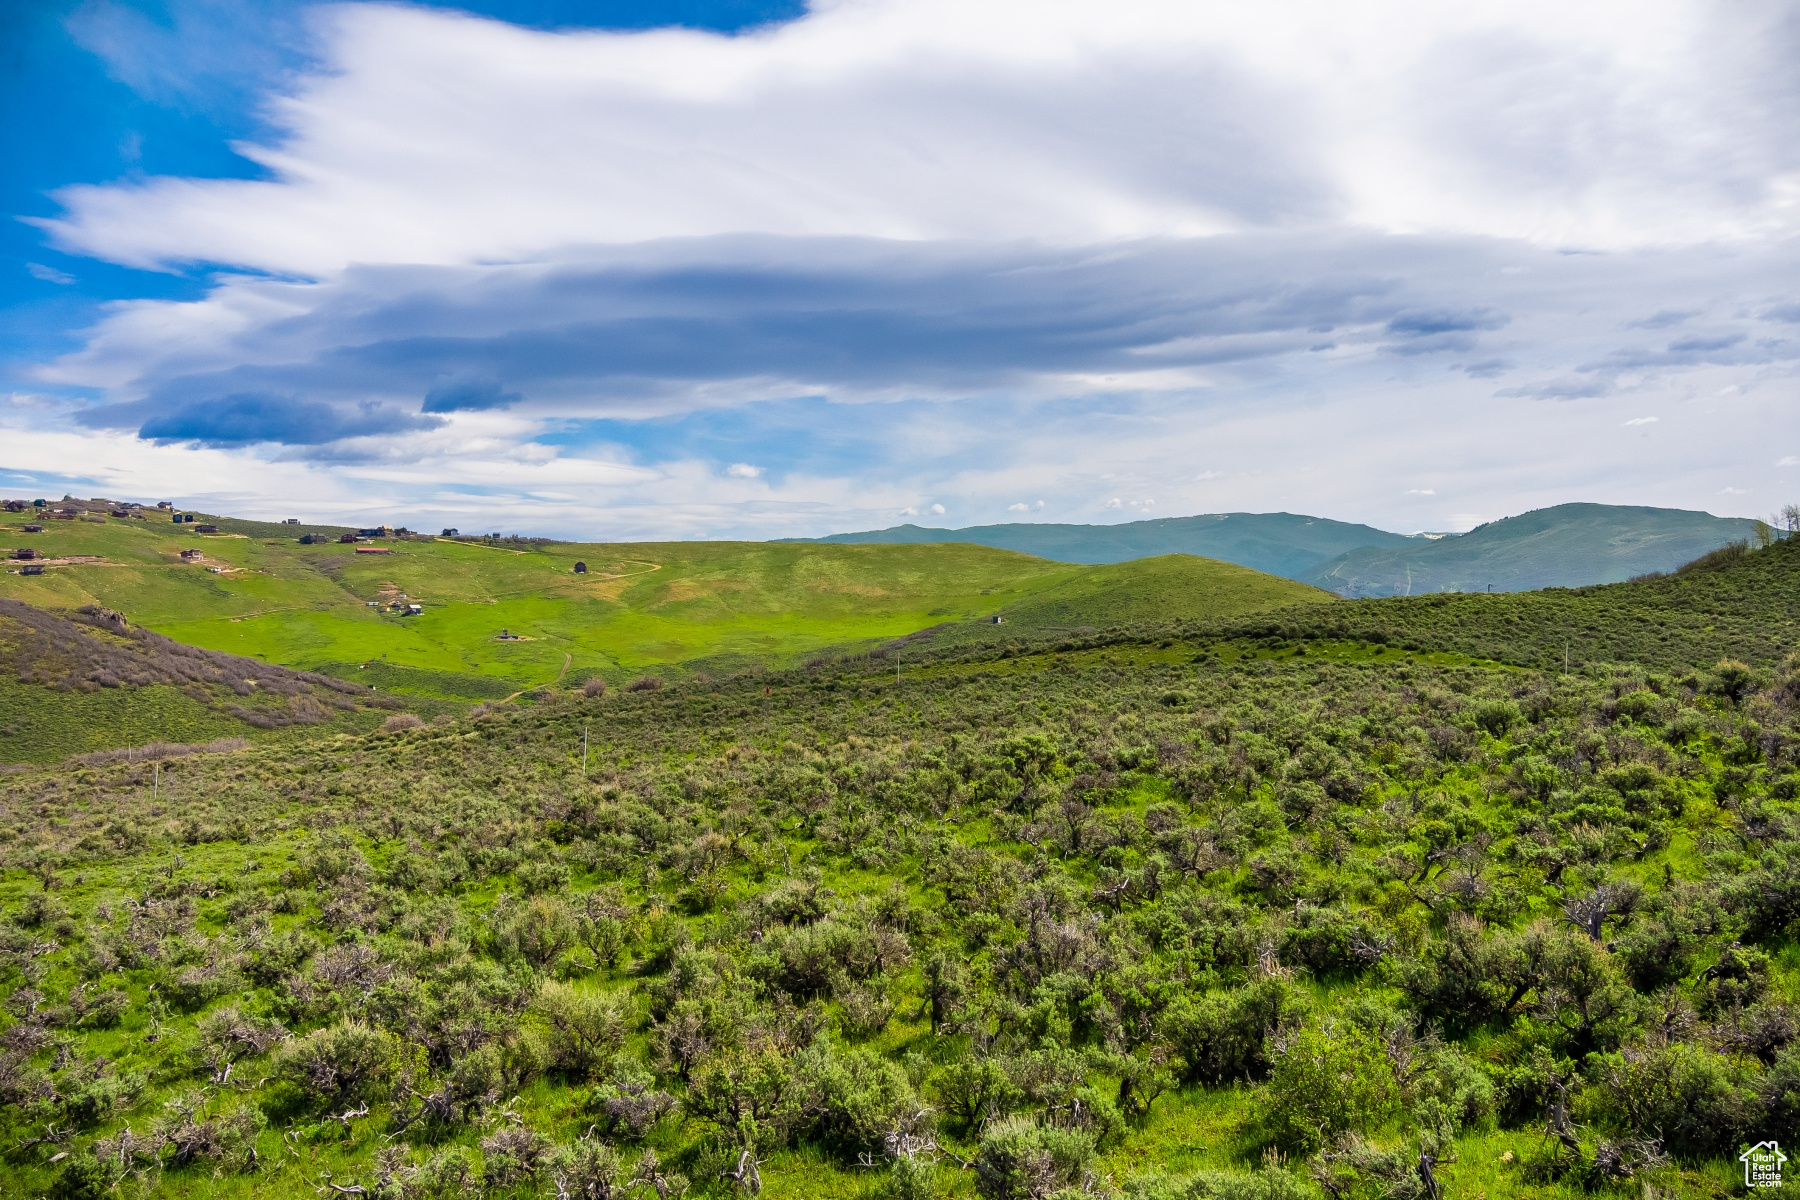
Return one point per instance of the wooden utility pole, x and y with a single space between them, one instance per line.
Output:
584 733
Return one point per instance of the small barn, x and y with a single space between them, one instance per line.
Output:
32 569
206 529
16 506
25 552
347 538
581 568
192 555
31 528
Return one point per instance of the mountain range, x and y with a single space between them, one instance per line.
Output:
1568 545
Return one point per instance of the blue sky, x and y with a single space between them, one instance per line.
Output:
729 269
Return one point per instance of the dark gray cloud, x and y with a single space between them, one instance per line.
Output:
245 418
1705 345
642 329
663 328
469 395
1439 330
1664 319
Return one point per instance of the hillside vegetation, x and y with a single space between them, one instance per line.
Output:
1178 913
717 605
1570 545
1734 602
1156 589
89 680
1282 544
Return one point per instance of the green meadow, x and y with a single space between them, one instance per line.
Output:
638 608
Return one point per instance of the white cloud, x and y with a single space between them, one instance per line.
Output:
48 274
1790 461
431 137
1018 508
1731 491
1642 421
743 471
1115 502
1421 492
937 510
909 512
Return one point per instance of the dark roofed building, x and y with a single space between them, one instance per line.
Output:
581 568
32 569
206 529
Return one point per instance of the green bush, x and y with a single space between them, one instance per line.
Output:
1019 1159
1696 1101
585 1027
341 1063
1326 1080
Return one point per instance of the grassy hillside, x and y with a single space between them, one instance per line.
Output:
1734 603
1154 589
1279 543
638 607
1570 545
1104 922
88 680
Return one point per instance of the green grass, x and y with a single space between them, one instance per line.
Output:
859 780
44 725
641 607
1149 589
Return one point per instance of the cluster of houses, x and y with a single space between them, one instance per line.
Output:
69 509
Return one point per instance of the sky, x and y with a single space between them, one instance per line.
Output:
725 268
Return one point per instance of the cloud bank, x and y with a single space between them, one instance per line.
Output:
1398 262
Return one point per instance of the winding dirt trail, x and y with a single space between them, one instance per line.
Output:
567 659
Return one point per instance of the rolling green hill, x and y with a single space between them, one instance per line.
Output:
1151 589
89 681
1280 543
1734 603
1570 545
639 607
1123 923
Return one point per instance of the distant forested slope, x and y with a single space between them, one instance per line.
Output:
1570 545
1283 544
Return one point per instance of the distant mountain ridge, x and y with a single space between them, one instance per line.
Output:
1285 544
1567 545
